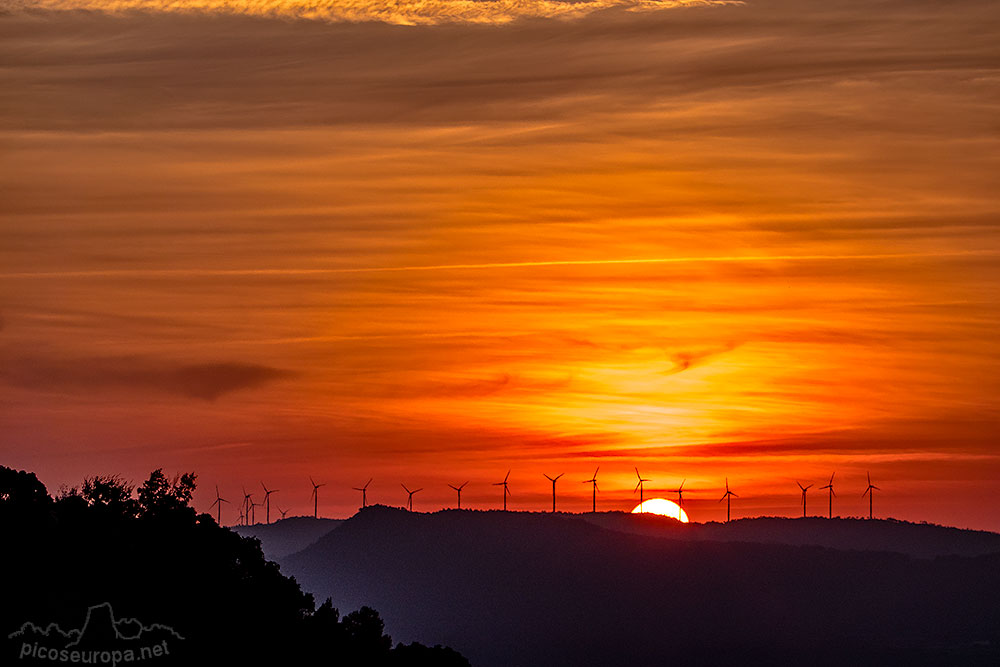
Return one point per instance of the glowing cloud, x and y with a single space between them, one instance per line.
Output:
404 12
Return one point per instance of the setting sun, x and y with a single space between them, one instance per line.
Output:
661 506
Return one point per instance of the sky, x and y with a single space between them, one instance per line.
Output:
431 242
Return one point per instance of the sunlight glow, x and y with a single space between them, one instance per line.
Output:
661 506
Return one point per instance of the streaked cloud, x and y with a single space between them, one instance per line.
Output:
401 12
384 247
207 381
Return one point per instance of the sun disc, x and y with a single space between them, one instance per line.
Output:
661 506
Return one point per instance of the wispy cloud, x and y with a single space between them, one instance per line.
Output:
206 381
401 12
483 242
273 272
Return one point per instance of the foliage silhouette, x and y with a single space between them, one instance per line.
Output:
157 561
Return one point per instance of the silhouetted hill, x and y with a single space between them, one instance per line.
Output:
915 539
287 536
113 570
511 589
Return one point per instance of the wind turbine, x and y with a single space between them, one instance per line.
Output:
267 501
218 501
832 494
364 493
409 502
506 491
727 497
247 506
253 512
315 497
459 489
554 480
680 495
871 495
804 489
594 490
283 512
638 487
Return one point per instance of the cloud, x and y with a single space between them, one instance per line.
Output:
206 381
687 358
401 12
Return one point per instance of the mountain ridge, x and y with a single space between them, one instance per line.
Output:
511 588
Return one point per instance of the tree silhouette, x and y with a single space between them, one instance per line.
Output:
156 560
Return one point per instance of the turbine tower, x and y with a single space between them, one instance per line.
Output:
870 492
506 491
267 501
364 493
728 497
594 490
459 489
804 489
831 494
680 495
638 487
409 502
247 506
554 480
315 497
218 501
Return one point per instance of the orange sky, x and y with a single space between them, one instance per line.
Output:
752 240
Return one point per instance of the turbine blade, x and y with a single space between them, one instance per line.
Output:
506 476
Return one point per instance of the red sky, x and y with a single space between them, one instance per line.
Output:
263 241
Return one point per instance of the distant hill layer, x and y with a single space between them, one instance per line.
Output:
287 536
511 589
915 539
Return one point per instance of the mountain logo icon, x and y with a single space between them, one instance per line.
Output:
101 640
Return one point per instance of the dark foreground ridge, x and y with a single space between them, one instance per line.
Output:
509 589
108 574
